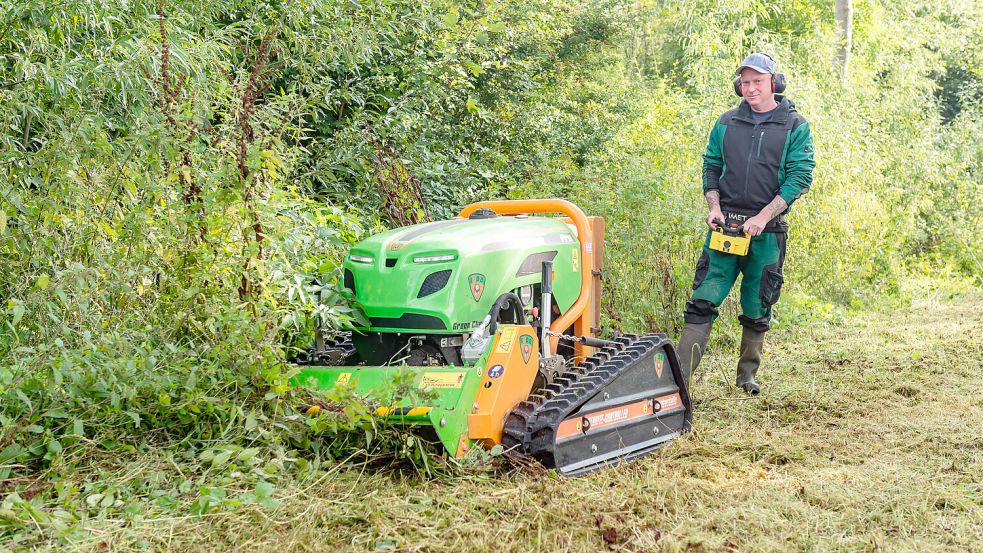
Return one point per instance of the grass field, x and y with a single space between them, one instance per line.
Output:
868 436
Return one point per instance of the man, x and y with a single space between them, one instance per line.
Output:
757 162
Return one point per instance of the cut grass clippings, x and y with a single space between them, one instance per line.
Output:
868 436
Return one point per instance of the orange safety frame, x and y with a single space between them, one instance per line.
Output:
589 230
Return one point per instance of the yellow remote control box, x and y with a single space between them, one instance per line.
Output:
730 240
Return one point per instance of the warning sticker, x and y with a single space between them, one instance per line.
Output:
343 379
506 340
442 380
575 259
660 361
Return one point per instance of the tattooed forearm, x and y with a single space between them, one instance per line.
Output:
713 199
776 206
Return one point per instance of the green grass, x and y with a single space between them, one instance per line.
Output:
868 436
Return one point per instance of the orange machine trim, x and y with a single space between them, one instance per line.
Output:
585 422
584 236
588 323
508 376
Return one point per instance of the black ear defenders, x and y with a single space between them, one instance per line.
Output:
778 82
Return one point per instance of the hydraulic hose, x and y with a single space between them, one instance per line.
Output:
508 301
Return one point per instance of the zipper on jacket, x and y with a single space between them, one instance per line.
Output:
760 140
747 166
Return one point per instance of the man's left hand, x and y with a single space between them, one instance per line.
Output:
755 225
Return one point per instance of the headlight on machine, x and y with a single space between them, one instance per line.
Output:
361 258
434 258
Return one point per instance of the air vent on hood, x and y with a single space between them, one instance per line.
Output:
434 282
534 263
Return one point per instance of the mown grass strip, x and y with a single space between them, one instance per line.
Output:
867 437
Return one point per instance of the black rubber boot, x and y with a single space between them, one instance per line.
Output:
691 346
747 366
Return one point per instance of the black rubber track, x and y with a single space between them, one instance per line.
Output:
338 351
531 427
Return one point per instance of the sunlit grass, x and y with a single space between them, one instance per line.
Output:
866 437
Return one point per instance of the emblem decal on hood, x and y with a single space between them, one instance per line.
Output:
476 281
525 347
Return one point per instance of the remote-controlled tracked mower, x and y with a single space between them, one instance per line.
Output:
497 314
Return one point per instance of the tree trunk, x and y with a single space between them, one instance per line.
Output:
844 18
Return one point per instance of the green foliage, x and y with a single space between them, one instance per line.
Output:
895 178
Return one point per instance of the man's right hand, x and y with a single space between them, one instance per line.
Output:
714 216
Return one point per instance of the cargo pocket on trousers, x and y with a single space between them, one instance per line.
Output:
771 284
702 266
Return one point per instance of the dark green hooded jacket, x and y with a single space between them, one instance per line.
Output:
751 164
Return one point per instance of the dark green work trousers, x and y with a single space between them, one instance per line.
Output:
761 284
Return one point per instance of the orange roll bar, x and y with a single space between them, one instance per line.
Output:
584 236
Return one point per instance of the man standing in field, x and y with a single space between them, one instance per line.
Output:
757 162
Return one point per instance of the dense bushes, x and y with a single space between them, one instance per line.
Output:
180 181
894 181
